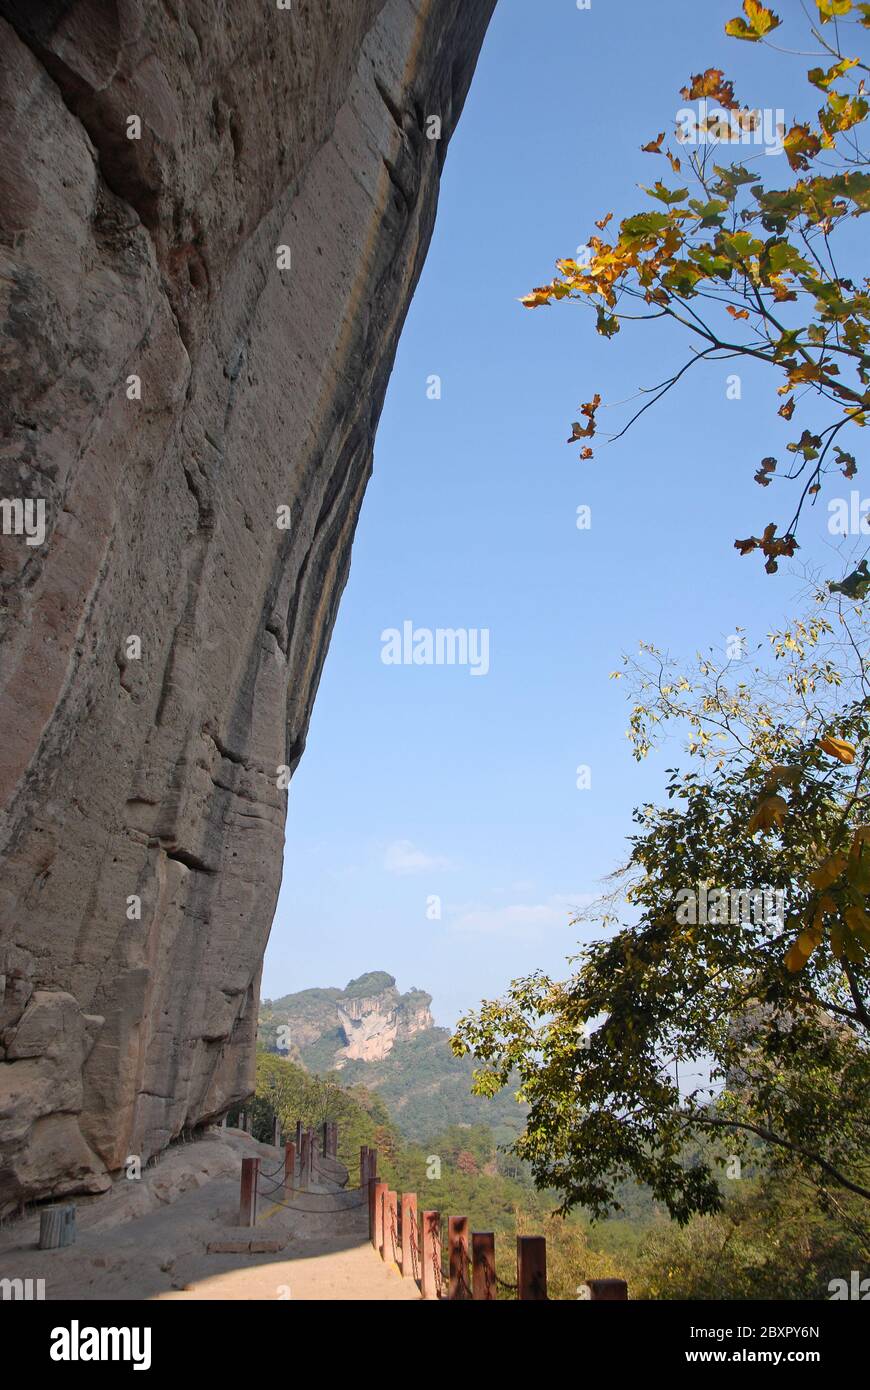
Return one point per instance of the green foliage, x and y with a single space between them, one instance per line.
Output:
426 1086
749 271
768 1243
772 1008
373 982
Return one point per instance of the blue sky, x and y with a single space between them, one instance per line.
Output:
424 781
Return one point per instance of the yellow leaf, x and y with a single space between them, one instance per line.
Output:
795 959
537 298
770 812
780 776
828 871
838 748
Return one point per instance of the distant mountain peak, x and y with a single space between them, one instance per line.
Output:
371 983
327 1028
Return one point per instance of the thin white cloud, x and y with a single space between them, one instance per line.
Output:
403 857
523 919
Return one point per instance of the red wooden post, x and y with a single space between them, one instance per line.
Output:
483 1265
604 1289
289 1167
299 1136
371 1201
380 1193
410 1237
305 1160
373 1165
248 1193
431 1255
531 1267
457 1247
390 1251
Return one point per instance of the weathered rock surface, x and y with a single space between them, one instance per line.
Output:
326 1028
151 782
371 1023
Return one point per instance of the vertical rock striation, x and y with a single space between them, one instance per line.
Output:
148 784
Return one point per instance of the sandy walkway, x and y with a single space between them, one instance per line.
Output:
150 1239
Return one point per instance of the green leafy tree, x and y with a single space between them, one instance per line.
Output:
747 966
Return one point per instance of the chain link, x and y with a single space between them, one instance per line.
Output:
317 1211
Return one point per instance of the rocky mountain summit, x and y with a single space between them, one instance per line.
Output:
387 1042
331 1027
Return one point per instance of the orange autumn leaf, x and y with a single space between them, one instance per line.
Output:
838 748
713 84
769 814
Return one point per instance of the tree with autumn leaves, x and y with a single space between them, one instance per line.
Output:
685 1041
750 271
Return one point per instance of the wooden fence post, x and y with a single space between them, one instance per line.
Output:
371 1200
299 1136
305 1161
289 1167
531 1267
363 1166
324 1139
248 1194
57 1227
430 1259
457 1248
483 1265
599 1290
410 1237
390 1251
380 1193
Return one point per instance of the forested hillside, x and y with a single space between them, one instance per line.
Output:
409 1062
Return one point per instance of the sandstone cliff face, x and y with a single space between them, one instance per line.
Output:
371 1025
148 783
326 1028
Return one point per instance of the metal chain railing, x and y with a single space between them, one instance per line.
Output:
272 1181
317 1211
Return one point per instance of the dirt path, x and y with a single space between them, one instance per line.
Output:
166 1237
353 1273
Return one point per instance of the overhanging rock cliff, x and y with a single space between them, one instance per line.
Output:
172 387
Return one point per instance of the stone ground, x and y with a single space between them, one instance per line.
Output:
150 1239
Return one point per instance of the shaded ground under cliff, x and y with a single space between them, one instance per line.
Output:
158 1238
